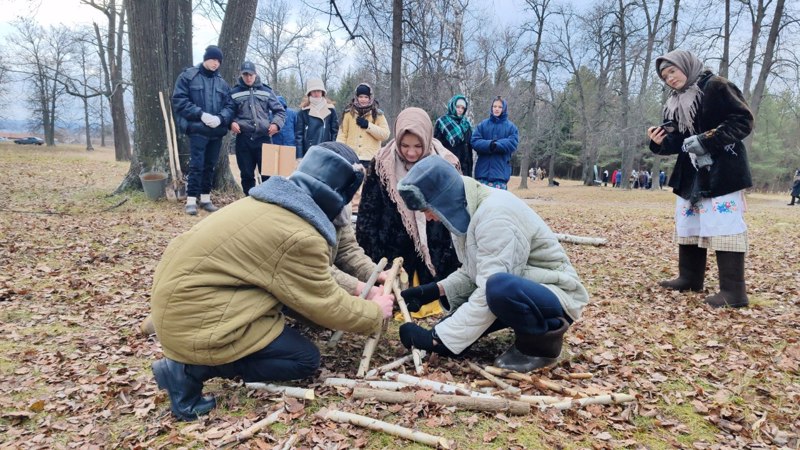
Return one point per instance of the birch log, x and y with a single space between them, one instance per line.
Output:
502 384
337 336
495 404
252 430
375 384
609 399
289 391
536 381
394 364
402 303
580 239
372 341
435 386
379 425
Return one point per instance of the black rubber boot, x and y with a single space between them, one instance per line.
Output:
185 390
691 270
532 351
732 290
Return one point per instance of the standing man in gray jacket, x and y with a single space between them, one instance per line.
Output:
514 273
259 116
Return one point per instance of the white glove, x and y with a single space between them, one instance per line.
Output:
210 120
693 145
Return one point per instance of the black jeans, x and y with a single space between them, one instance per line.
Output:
202 162
290 356
525 306
248 157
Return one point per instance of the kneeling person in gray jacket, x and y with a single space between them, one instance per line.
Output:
514 273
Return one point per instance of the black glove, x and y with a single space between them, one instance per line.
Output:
413 335
415 297
492 146
362 122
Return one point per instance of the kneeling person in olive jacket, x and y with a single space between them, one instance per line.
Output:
514 273
220 288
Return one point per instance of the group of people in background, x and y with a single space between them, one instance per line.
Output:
222 289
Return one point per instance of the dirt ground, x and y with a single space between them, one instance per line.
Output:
76 267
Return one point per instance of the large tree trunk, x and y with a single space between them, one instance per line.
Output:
151 57
233 39
179 57
397 57
724 61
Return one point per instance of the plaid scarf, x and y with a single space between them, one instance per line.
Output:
454 127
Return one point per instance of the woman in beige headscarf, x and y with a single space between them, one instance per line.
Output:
316 121
385 227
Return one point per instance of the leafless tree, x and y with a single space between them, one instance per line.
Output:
275 38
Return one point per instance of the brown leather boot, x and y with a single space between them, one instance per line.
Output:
732 291
691 270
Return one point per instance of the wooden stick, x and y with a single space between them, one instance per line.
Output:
252 430
580 376
580 239
470 403
394 364
609 399
372 341
502 384
289 391
540 399
337 336
407 317
379 425
481 383
541 383
169 145
435 386
375 384
288 444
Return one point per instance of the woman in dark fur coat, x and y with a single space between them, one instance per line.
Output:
385 226
707 120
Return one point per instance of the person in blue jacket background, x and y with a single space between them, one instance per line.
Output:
286 134
495 140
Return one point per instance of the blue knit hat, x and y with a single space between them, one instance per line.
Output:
213 52
434 184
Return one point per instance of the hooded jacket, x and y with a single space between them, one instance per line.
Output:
495 164
220 287
256 108
722 120
493 232
198 90
286 134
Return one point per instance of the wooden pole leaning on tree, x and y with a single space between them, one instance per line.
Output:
172 194
372 341
495 404
379 425
334 341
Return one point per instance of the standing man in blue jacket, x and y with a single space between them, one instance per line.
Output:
202 102
495 140
259 117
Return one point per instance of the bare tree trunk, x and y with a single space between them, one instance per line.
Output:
769 58
233 38
87 128
724 61
624 97
757 17
397 57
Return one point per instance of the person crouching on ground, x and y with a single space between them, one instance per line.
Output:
709 118
514 273
220 288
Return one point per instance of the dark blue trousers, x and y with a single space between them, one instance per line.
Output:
248 157
202 162
525 306
289 357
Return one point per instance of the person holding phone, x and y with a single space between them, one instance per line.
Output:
706 120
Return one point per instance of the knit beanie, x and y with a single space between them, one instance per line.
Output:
315 84
363 89
213 52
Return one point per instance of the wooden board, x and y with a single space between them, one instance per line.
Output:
277 160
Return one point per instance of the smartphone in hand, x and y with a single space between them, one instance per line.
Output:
668 126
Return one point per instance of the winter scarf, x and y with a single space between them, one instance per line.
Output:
318 107
681 106
455 128
391 167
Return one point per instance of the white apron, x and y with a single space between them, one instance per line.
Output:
717 216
